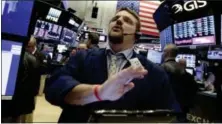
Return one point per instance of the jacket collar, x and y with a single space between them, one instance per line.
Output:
170 60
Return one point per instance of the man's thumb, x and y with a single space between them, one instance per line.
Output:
128 87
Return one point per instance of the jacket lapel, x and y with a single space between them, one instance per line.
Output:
99 62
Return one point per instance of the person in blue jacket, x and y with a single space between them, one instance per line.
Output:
105 79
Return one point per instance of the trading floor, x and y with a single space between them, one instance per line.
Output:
122 61
51 113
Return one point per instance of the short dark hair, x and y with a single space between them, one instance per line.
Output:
132 12
94 38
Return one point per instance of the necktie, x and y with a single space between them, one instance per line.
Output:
113 67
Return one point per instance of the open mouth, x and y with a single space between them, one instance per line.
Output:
117 28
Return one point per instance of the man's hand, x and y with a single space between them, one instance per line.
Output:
119 84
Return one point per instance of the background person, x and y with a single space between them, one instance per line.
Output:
93 41
183 84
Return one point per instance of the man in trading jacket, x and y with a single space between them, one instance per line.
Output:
105 79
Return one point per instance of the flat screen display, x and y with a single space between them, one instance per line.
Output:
68 35
199 73
16 16
214 54
166 37
190 59
53 14
61 48
11 53
74 23
154 56
46 30
48 50
199 31
59 57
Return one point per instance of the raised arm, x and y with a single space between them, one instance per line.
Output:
64 88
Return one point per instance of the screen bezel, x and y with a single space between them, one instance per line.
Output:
24 41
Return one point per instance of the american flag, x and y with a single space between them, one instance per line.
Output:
145 9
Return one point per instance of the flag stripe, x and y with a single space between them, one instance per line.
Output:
147 25
150 33
144 5
147 10
148 20
142 11
149 29
146 15
155 3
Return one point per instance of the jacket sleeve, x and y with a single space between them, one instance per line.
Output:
169 99
163 94
63 80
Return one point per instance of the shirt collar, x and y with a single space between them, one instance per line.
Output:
127 53
34 50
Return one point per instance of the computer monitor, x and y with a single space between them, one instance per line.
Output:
61 48
16 16
190 59
154 56
47 30
59 57
11 55
215 55
53 14
166 37
199 32
199 73
48 50
68 35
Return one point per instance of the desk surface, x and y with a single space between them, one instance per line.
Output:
208 93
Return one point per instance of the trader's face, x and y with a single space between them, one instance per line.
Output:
30 47
122 23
